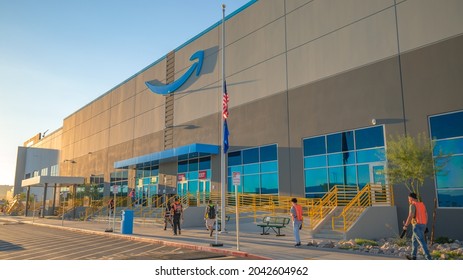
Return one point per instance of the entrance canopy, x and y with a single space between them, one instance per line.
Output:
41 181
188 151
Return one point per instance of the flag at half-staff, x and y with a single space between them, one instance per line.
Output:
225 100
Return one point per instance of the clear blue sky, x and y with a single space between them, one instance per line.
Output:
56 56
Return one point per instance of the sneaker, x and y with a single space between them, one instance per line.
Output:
298 244
410 257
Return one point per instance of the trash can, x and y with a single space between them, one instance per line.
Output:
127 222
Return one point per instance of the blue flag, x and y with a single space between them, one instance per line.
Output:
225 137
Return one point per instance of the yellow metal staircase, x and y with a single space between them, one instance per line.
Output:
370 195
339 195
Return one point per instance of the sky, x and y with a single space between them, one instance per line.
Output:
57 56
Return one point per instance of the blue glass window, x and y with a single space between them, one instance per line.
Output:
316 180
193 186
447 131
363 172
251 156
340 142
315 161
346 158
251 183
251 168
369 138
269 183
341 158
372 155
205 163
234 158
452 175
446 126
450 198
235 169
268 153
193 165
258 167
314 146
452 146
182 167
270 166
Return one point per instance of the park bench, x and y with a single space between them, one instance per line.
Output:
219 222
274 223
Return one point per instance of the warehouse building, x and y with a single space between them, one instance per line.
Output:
315 88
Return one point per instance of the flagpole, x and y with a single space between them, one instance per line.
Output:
222 155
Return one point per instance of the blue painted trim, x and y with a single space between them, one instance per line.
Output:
168 155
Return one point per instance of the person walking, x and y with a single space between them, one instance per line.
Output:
296 216
418 217
168 216
177 214
210 216
132 197
110 207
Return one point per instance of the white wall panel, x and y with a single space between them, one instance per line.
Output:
257 82
319 18
149 122
364 42
294 4
121 132
123 111
256 48
422 22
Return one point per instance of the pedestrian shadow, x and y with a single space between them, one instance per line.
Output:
7 246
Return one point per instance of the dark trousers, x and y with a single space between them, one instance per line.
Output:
177 224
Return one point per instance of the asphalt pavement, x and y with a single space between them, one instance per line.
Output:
248 243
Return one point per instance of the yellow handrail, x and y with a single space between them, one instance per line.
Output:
368 196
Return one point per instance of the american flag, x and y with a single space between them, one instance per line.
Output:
225 102
225 116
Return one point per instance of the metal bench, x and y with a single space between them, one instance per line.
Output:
219 222
274 223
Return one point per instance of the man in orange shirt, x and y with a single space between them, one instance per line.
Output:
296 216
418 217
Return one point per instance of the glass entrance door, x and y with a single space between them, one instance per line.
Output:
204 191
182 188
377 175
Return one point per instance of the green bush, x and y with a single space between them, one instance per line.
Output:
443 240
361 241
402 242
451 255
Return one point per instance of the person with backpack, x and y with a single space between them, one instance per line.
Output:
177 214
168 216
210 216
296 216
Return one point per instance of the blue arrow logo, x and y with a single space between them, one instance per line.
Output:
172 87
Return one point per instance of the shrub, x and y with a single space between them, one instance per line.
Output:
361 241
443 240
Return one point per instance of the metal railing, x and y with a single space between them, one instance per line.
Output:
339 195
369 195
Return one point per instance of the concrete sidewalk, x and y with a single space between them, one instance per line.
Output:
251 243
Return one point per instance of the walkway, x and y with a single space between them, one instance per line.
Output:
251 243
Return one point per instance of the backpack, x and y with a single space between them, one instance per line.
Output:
177 209
211 212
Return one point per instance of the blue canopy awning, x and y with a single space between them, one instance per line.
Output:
183 152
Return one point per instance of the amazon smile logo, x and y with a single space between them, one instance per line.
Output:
160 88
